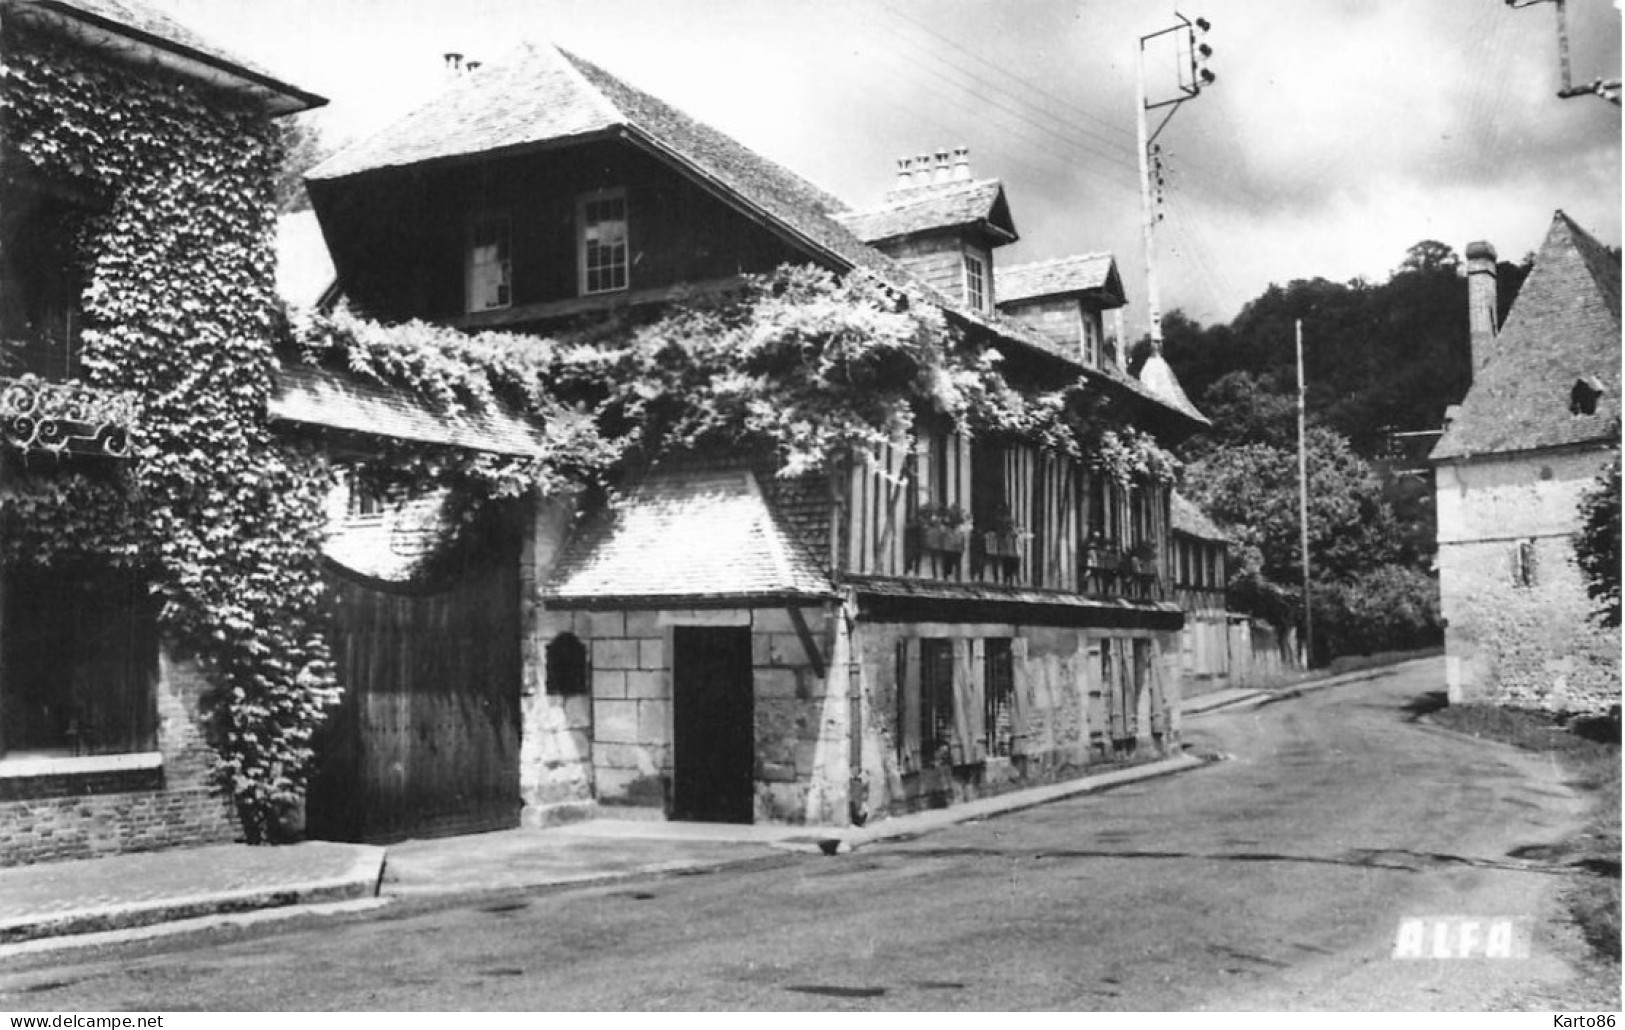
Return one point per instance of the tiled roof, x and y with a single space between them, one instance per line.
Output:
543 95
1563 327
687 536
179 47
1187 518
948 205
1078 273
334 400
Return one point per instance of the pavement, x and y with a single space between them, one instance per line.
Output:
123 897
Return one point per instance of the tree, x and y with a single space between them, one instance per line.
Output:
1596 546
1252 489
302 150
1430 256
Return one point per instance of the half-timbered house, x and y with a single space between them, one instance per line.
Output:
909 627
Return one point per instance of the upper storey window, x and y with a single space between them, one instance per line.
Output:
1091 338
490 263
603 241
976 292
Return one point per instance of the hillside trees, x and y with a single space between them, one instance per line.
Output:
1379 359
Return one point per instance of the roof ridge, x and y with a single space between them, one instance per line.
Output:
1093 255
572 63
923 194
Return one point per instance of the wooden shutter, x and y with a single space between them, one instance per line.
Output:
1021 701
968 722
908 703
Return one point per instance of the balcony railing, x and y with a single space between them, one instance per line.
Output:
65 417
1109 571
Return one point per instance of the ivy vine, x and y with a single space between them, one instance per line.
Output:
226 518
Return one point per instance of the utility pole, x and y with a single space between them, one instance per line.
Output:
1303 507
1608 89
1191 66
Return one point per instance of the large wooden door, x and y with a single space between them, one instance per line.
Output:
426 740
713 731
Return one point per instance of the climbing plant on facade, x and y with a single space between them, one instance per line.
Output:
226 518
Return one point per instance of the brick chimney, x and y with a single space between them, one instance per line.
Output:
1481 302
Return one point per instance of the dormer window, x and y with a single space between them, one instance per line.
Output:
1583 398
1089 337
603 241
490 263
976 281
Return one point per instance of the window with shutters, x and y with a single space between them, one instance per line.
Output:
936 701
999 693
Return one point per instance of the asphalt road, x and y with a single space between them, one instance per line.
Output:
1276 879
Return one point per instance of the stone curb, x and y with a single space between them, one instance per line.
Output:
840 841
361 880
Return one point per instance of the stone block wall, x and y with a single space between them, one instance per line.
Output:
88 808
614 747
1518 628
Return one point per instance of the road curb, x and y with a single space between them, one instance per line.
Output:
359 881
839 841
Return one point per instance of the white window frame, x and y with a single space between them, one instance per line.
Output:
1090 334
500 264
977 283
584 240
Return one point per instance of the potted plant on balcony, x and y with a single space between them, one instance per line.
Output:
941 528
1002 538
1099 554
1143 555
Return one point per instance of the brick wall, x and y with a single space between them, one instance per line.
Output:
64 815
1523 639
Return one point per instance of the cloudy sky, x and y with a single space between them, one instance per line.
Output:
1339 132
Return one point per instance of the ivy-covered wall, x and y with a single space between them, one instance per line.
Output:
222 516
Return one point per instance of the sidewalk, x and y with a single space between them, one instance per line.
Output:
129 891
1248 697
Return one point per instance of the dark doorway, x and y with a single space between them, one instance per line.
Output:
714 725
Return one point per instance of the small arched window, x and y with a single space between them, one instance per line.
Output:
566 665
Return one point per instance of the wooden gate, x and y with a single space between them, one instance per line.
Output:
426 740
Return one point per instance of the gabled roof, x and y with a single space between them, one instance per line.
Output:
132 31
1185 517
687 536
949 205
1564 327
336 400
1058 277
542 96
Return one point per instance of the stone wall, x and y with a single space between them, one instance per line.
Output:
614 746
1518 622
86 808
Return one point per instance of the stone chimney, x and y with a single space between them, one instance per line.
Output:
961 170
905 173
1481 302
944 170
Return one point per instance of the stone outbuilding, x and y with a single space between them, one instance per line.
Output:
1538 426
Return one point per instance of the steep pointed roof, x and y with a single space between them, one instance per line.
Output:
1085 274
949 205
541 97
1563 329
1157 376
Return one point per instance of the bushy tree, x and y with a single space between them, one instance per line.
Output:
1596 546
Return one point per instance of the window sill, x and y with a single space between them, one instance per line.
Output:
18 768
